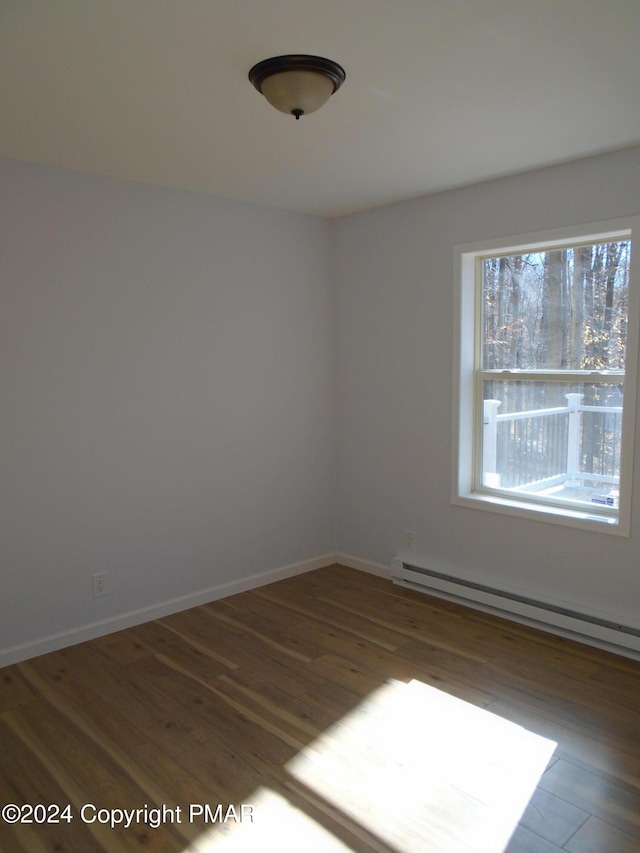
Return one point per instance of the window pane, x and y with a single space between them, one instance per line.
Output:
559 441
560 309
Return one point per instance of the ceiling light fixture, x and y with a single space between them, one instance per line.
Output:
297 84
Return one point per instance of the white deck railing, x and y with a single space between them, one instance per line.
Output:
570 473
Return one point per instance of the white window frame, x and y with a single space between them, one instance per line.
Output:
467 491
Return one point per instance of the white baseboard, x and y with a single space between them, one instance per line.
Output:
52 643
363 566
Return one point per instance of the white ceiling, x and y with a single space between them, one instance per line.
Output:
439 93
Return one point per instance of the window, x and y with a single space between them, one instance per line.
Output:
546 353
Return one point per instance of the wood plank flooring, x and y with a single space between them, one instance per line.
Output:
342 712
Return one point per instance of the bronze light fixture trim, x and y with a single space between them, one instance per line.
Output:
297 84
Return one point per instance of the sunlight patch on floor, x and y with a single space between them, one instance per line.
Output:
410 769
278 825
414 762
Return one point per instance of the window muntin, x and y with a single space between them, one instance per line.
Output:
546 355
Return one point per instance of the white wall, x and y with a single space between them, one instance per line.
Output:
394 269
166 384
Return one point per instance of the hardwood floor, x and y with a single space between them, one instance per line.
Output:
331 711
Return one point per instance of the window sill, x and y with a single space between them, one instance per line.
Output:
568 517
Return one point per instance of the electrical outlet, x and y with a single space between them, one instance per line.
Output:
409 540
99 585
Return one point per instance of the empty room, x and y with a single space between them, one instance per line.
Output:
320 446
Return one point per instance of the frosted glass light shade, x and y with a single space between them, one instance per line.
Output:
297 84
297 92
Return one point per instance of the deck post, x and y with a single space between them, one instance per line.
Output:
490 476
574 404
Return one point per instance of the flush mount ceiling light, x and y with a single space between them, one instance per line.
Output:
297 84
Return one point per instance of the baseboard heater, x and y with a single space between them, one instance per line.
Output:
602 632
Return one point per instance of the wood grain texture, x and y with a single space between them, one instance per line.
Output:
350 713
